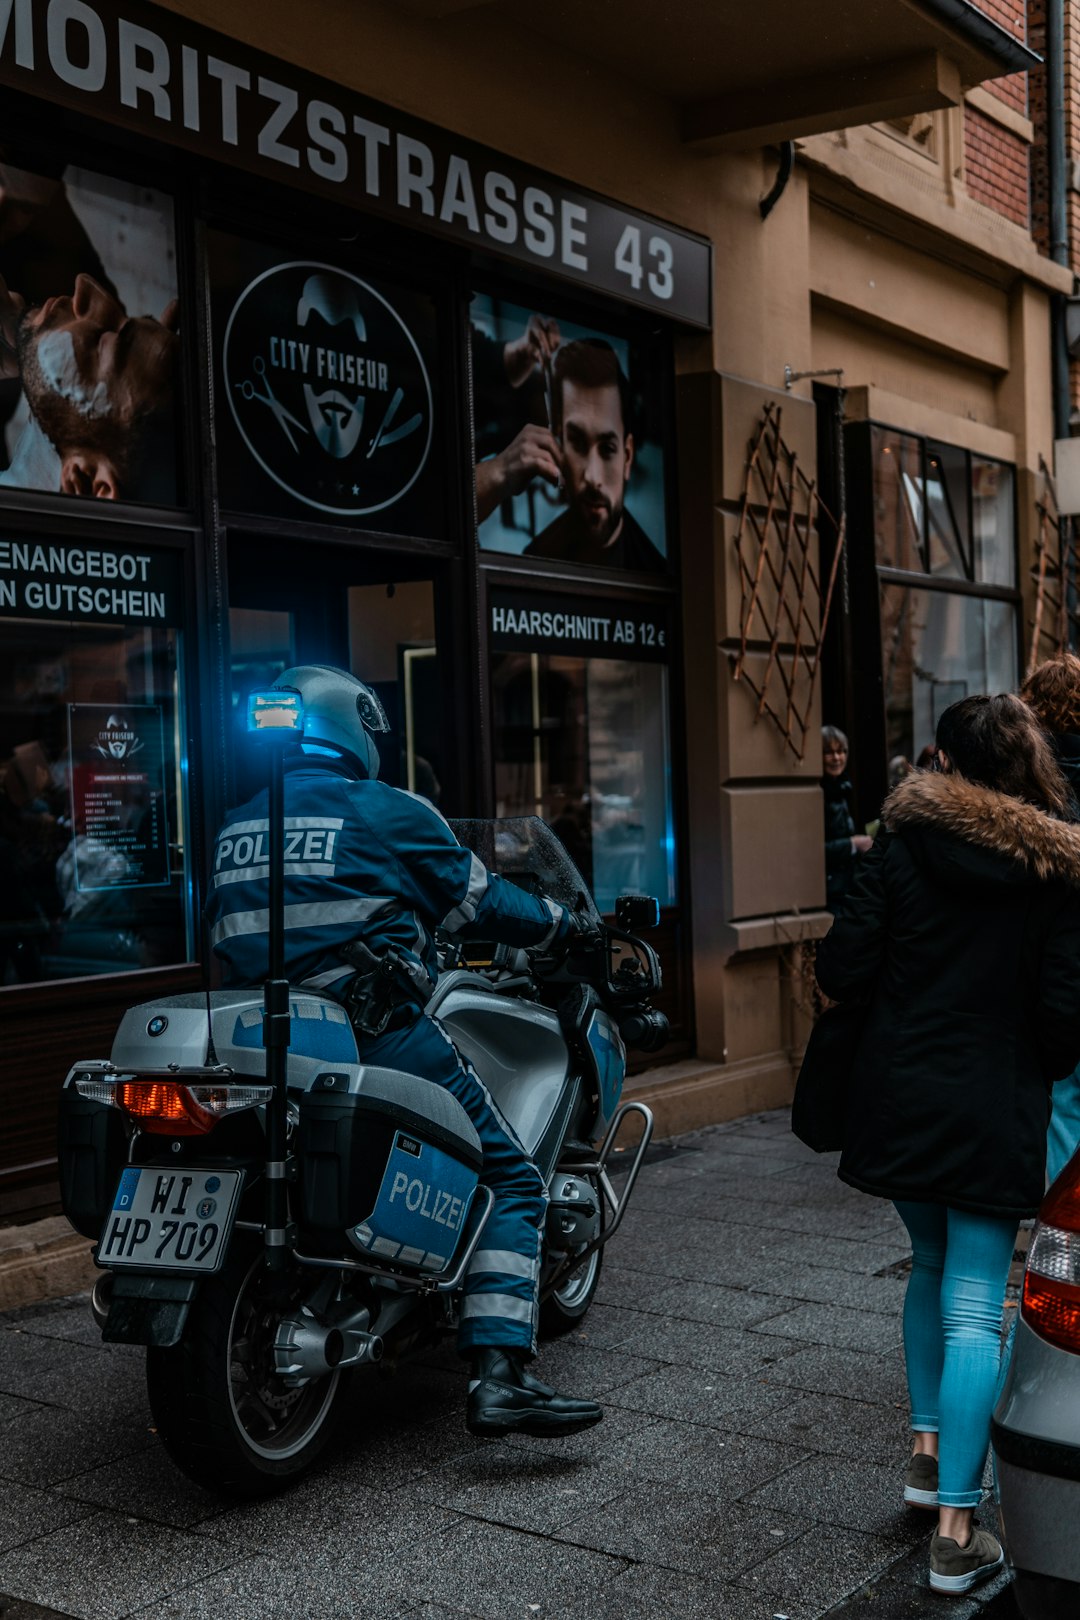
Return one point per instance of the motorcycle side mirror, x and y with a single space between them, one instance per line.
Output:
633 912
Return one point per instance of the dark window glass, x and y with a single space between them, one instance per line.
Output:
943 511
994 507
898 500
391 645
585 744
948 535
938 647
93 838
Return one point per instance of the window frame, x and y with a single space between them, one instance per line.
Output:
863 694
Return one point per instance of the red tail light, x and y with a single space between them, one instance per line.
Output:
189 1105
1051 1302
164 1108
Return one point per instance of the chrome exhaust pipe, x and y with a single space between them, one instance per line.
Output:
305 1348
101 1298
360 1348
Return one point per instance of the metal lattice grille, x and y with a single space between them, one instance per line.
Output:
783 603
1055 621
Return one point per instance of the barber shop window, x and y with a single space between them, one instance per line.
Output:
580 703
945 543
389 631
93 824
88 333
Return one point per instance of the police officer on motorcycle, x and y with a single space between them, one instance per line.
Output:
370 873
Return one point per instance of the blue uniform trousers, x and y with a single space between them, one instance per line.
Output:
500 1302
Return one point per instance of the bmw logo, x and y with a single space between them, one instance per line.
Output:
158 1025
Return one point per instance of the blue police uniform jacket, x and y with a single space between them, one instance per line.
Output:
363 861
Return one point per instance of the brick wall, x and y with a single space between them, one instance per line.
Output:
1010 15
996 161
996 166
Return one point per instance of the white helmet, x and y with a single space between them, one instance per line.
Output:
340 713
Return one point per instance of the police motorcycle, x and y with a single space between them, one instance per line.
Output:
256 1275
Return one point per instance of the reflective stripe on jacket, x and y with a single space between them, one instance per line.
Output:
362 861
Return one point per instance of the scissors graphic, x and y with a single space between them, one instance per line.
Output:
386 435
281 415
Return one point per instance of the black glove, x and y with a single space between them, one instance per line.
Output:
578 941
584 930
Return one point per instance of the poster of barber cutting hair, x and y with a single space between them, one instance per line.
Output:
88 334
569 454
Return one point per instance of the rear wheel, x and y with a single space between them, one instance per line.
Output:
223 1413
565 1308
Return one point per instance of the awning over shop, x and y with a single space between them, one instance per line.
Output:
777 69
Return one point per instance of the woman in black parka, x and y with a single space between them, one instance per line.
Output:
962 936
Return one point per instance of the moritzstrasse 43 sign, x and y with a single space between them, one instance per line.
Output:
328 379
163 76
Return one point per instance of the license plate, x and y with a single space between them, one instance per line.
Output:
170 1220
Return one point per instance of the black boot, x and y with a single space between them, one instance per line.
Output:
504 1398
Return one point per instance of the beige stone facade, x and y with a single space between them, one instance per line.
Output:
878 260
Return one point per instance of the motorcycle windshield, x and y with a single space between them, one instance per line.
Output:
526 851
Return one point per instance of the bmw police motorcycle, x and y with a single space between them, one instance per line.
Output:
269 1219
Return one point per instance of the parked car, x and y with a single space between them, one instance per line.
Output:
1036 1427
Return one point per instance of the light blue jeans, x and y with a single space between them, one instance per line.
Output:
952 1336
1063 1136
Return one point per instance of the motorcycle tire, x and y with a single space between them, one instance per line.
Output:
222 1412
565 1309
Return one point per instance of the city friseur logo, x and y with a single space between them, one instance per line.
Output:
328 388
117 739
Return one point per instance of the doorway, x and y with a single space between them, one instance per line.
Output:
381 615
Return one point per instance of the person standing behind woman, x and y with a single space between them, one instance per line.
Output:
1052 691
961 934
843 845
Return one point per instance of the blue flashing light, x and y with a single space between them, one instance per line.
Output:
275 711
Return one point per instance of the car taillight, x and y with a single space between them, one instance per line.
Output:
1051 1302
171 1107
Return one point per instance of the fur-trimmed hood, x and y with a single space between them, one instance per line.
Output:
1031 839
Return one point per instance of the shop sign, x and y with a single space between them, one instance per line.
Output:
331 380
165 77
97 583
579 626
328 388
118 796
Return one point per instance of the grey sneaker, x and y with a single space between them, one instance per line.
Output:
957 1569
920 1481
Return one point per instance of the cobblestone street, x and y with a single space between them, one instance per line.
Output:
746 1345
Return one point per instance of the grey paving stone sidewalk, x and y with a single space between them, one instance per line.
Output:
746 1345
